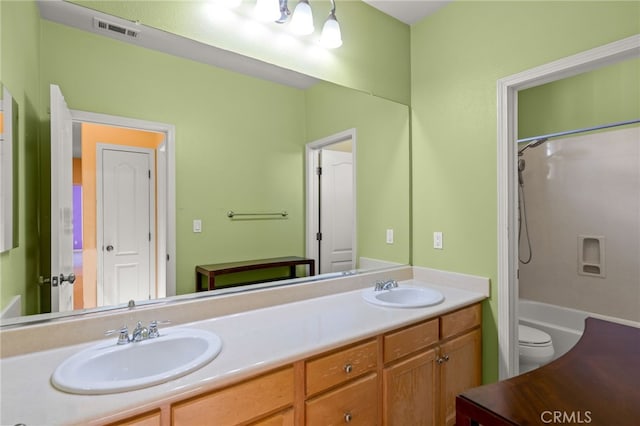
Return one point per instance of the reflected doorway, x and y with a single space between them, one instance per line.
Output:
101 280
331 205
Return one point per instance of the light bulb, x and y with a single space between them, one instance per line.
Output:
331 36
231 4
267 10
302 19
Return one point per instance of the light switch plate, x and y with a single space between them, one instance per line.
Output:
197 225
437 240
389 236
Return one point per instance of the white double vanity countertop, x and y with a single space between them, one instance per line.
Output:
254 341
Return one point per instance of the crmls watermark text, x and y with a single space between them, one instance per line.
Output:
565 417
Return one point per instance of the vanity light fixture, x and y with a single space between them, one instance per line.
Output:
267 10
331 37
284 12
301 19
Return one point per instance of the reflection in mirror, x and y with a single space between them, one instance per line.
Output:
239 146
8 170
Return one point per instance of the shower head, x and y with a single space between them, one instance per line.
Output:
533 144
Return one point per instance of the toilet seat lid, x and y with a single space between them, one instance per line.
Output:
532 336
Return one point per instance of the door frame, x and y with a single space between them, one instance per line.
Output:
165 194
100 148
507 90
311 149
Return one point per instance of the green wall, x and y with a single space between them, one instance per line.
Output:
238 140
374 56
239 146
603 96
382 159
457 55
20 46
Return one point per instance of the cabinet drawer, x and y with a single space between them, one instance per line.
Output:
459 321
239 403
281 419
338 367
355 403
403 342
147 419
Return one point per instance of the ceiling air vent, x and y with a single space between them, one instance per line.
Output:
103 25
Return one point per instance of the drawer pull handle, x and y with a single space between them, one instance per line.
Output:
347 417
348 368
443 359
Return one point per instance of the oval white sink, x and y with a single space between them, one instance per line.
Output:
110 368
404 297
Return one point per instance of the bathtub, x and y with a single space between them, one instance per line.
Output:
564 325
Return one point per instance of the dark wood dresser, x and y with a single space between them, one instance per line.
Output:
597 382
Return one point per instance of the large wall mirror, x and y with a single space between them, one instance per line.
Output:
8 170
236 143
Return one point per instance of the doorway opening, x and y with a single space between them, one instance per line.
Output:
507 89
144 181
331 202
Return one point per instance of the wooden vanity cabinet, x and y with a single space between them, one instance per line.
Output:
409 376
426 365
459 358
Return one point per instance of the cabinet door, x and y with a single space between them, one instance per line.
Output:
460 369
409 391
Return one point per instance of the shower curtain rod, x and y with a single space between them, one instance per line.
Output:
586 129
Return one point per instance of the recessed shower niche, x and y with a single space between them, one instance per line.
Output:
591 256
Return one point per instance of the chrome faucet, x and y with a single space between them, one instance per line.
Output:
139 333
385 285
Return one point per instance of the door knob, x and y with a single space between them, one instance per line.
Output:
71 278
109 247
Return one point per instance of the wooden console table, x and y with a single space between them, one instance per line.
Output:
597 382
214 270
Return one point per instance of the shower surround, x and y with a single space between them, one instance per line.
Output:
583 211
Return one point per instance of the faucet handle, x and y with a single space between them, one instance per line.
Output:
153 328
123 334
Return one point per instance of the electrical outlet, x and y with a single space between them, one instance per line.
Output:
389 236
437 240
197 225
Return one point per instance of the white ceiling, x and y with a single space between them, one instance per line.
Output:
408 11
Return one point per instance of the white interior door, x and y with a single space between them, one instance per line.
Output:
336 211
62 277
125 224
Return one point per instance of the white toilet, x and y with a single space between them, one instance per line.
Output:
535 347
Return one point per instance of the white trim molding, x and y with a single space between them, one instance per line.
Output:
507 89
311 149
166 184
